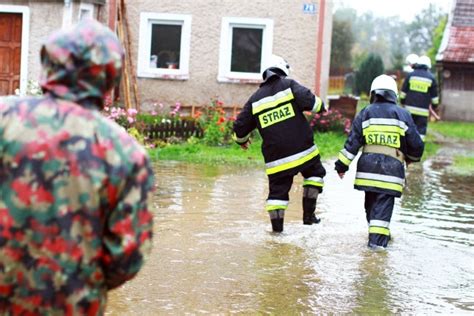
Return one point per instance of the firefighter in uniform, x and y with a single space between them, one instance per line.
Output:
411 61
419 90
389 138
276 110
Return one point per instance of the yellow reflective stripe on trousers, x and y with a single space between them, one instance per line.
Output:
292 161
379 184
379 230
383 128
314 181
270 208
276 205
272 101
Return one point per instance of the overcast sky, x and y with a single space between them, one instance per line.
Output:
406 9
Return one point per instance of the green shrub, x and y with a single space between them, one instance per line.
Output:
371 67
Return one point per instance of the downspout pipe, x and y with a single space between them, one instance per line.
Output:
67 13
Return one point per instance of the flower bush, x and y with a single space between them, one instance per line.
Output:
332 120
217 128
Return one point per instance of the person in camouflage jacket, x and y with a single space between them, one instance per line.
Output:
74 186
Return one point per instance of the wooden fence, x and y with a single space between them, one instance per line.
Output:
336 84
181 129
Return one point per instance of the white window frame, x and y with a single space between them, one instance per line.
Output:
225 51
25 40
147 19
89 7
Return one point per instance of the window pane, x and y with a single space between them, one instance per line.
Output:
246 49
85 13
165 46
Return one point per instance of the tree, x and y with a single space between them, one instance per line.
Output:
421 30
437 37
341 44
370 68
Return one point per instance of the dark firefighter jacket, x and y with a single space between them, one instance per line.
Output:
386 124
419 90
276 110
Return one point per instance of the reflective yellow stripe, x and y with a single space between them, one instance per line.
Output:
270 208
379 184
383 128
292 164
317 105
435 100
417 110
385 139
276 115
313 183
420 113
272 101
379 230
240 139
419 84
344 159
402 94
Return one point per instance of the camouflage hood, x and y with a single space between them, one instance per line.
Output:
82 64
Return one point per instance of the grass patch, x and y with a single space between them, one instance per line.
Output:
463 164
461 130
200 153
329 145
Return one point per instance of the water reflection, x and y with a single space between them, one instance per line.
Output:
439 204
282 283
214 252
373 287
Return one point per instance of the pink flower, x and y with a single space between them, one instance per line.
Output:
153 112
130 119
132 112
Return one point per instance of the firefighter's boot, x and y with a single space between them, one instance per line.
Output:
310 196
277 218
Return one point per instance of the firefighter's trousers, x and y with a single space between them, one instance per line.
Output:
379 209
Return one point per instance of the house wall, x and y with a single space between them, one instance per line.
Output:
457 92
294 38
457 105
45 17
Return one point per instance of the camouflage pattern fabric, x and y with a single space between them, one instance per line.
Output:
74 186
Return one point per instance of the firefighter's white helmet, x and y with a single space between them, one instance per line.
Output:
384 82
412 59
278 62
425 61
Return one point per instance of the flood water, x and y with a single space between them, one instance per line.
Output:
214 252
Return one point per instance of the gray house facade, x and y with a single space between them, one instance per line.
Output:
186 51
455 63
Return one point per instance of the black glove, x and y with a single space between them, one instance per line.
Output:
340 167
